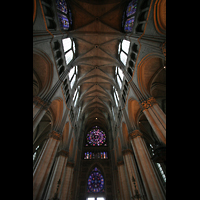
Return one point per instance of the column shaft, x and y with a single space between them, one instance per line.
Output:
65 192
150 180
42 169
123 182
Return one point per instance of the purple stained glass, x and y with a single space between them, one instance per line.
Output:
129 24
96 137
64 22
131 9
62 6
95 181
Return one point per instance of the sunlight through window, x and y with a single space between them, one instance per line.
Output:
67 43
125 45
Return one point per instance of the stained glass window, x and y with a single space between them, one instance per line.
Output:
96 155
64 14
131 9
95 181
96 137
128 17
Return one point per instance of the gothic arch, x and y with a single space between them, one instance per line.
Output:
42 73
42 130
160 16
56 109
101 168
147 69
133 109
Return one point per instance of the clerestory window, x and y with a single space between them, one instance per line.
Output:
128 17
72 75
116 96
119 74
69 49
64 15
75 97
123 50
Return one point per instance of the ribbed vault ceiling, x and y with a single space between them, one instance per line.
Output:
97 30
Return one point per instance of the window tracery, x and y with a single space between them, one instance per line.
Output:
128 17
96 137
95 181
64 14
69 49
123 50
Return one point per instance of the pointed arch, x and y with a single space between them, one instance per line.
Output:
101 168
56 109
148 67
42 73
133 109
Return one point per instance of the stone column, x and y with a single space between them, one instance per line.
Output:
135 187
39 109
58 173
156 118
122 181
42 169
150 180
65 191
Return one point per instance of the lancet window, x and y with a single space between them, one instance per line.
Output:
96 155
64 14
72 75
69 49
128 17
123 50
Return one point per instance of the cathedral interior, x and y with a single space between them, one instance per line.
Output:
99 99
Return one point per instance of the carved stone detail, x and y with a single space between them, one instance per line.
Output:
127 151
148 103
135 133
70 164
63 153
120 163
55 135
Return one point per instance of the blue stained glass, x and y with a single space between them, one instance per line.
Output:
64 22
131 9
62 6
129 24
96 183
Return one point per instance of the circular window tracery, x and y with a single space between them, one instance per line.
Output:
96 137
95 181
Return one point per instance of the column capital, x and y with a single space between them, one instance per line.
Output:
40 102
70 164
148 103
55 135
120 163
63 153
127 151
135 134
